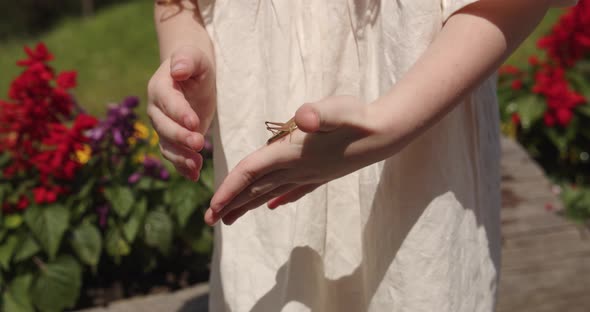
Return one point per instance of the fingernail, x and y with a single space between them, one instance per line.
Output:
179 66
190 123
192 142
217 208
190 164
209 219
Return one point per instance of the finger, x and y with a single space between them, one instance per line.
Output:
186 172
186 161
238 212
329 114
169 130
260 187
189 62
292 196
234 215
250 169
169 97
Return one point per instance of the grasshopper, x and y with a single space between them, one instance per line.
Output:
280 129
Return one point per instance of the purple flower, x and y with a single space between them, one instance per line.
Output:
151 163
208 146
130 102
103 213
164 174
153 167
117 127
118 137
134 178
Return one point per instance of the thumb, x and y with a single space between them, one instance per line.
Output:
328 114
188 62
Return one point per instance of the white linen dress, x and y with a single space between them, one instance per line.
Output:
419 231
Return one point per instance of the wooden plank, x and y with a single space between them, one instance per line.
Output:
545 257
532 224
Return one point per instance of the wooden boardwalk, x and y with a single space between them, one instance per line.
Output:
545 258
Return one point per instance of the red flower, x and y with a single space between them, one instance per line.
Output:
39 54
60 162
551 83
47 194
23 203
515 118
569 40
563 116
549 120
32 124
509 69
67 79
516 84
6 208
534 61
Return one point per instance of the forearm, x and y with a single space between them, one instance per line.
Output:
181 25
469 48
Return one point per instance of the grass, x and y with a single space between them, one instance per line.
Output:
116 52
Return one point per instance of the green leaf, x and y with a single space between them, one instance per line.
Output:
132 226
531 109
578 81
17 298
584 109
3 232
7 251
87 242
86 190
115 244
13 221
558 140
207 176
204 244
158 231
48 224
80 208
198 236
27 249
185 198
121 199
4 159
58 285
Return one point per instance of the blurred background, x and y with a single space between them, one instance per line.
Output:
92 217
111 43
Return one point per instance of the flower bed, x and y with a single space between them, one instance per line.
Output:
544 105
85 200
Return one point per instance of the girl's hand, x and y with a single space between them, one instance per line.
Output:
181 107
334 138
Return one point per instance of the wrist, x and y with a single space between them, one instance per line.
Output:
393 126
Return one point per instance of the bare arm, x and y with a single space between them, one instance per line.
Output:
470 47
182 91
180 25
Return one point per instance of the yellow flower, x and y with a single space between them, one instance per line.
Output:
83 155
154 139
141 130
509 129
139 158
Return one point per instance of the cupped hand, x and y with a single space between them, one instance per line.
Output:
181 107
334 138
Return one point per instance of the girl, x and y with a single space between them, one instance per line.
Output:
389 184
